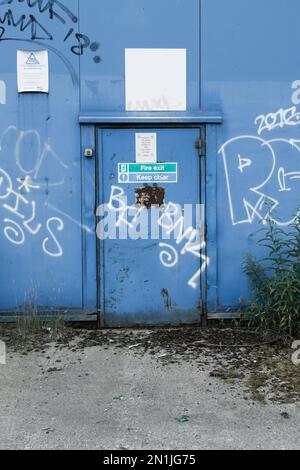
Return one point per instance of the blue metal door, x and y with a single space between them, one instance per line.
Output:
151 251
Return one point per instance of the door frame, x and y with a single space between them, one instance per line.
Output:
91 264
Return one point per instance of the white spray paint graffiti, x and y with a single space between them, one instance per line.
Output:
16 194
282 118
272 166
60 227
122 209
24 210
85 228
192 238
42 151
39 152
18 202
118 214
27 184
168 256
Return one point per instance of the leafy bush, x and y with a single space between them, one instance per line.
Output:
275 280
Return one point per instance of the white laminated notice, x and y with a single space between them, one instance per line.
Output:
33 71
146 148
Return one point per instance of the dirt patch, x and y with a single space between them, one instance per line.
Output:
35 341
259 363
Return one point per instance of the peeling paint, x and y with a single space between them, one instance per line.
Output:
150 196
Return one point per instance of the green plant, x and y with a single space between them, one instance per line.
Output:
28 324
32 323
275 280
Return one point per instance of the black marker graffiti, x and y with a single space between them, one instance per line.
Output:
55 10
23 23
46 6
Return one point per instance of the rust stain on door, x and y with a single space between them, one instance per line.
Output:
150 196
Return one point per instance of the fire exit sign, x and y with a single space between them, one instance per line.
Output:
147 173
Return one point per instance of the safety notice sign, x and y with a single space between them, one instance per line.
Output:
146 147
33 71
147 173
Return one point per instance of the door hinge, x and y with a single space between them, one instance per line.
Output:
201 146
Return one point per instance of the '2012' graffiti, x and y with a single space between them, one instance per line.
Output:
55 10
271 165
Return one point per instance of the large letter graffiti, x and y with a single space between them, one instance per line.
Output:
262 173
20 196
242 159
173 223
21 215
122 221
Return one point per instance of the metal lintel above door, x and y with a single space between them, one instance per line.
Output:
209 117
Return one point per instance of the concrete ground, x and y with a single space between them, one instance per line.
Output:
64 399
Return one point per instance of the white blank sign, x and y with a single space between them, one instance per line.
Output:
155 79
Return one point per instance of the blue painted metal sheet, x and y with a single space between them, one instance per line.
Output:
135 24
40 194
238 64
47 206
250 70
149 275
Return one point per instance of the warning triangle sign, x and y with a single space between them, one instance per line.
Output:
32 60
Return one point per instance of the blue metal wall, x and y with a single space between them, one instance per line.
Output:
242 61
41 261
250 69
